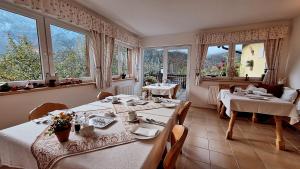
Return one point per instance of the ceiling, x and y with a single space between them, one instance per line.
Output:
159 17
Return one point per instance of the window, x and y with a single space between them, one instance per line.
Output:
70 57
120 62
216 61
153 61
250 60
19 48
177 61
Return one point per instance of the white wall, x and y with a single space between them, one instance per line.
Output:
14 109
294 57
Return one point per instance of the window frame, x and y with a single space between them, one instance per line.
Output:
63 25
129 59
43 23
40 26
231 52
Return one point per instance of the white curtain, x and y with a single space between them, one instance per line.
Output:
202 52
136 55
102 48
272 48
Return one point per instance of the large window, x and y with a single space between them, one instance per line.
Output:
216 61
19 48
121 60
69 53
32 46
249 60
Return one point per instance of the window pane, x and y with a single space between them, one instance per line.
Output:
153 64
216 61
250 59
120 60
69 53
177 61
19 48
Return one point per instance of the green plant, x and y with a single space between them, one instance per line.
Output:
60 122
150 79
250 63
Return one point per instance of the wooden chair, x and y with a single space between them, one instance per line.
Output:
183 112
102 95
178 136
175 91
44 109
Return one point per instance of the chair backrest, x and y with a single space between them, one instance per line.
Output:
44 109
179 134
297 98
175 91
102 95
183 112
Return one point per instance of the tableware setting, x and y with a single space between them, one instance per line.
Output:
145 132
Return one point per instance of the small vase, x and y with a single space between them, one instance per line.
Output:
63 136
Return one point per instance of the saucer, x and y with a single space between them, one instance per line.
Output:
133 121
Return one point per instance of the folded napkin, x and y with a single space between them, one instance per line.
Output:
146 132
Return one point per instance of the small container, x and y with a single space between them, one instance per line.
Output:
77 125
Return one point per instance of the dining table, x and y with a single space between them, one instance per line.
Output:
242 102
27 146
161 89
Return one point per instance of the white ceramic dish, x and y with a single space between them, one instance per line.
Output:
100 121
141 137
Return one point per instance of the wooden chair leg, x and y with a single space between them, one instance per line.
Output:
254 118
280 143
222 112
231 124
219 105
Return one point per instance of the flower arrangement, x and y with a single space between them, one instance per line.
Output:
61 126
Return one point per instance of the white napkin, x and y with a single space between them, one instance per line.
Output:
146 132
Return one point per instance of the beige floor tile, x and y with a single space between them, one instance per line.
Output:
252 147
197 154
220 146
222 160
197 141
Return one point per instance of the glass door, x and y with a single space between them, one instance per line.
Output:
177 69
167 64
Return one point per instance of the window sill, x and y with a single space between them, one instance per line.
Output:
45 88
237 80
120 80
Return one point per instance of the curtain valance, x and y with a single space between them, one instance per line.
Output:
259 34
73 13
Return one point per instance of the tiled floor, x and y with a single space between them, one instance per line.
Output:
253 146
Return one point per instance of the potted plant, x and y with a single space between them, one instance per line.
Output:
61 126
250 64
123 75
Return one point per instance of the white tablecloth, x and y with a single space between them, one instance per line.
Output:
15 144
163 89
274 106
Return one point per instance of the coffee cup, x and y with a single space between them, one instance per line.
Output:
132 115
156 99
115 99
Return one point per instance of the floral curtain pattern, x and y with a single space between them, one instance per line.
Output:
73 13
260 34
136 52
273 36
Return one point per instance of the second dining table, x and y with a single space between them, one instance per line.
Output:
16 143
274 106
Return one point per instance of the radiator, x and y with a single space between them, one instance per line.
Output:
125 90
213 92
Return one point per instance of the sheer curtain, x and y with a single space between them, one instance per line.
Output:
272 48
102 48
202 52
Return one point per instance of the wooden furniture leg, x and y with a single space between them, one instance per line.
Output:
219 105
280 145
254 118
231 124
222 112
